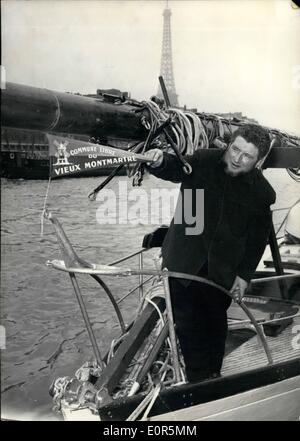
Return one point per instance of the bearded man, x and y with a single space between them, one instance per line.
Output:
237 223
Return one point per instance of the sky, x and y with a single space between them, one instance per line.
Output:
228 55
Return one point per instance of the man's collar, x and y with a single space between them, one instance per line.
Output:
247 177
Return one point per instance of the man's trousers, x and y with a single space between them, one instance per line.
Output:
201 326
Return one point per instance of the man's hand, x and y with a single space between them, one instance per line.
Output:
238 289
157 157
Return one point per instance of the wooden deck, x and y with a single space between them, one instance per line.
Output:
250 355
275 402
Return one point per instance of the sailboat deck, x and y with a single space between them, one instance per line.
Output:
251 355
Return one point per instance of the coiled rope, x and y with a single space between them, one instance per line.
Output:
189 133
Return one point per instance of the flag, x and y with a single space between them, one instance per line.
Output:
72 157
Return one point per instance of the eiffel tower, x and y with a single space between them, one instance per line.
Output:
166 68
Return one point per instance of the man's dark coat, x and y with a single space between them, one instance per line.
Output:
237 219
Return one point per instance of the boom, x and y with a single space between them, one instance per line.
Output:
32 108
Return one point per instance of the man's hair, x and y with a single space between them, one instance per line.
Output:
257 135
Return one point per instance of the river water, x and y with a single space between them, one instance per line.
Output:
45 333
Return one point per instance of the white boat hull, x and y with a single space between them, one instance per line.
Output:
276 402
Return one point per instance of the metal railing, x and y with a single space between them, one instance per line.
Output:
77 265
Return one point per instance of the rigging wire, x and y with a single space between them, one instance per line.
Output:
44 207
294 173
285 217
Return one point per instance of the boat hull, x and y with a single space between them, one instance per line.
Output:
187 396
227 399
275 402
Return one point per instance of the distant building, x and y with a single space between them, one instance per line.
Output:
237 115
110 94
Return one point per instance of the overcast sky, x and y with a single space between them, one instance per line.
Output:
228 55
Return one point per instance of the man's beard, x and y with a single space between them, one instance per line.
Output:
234 173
